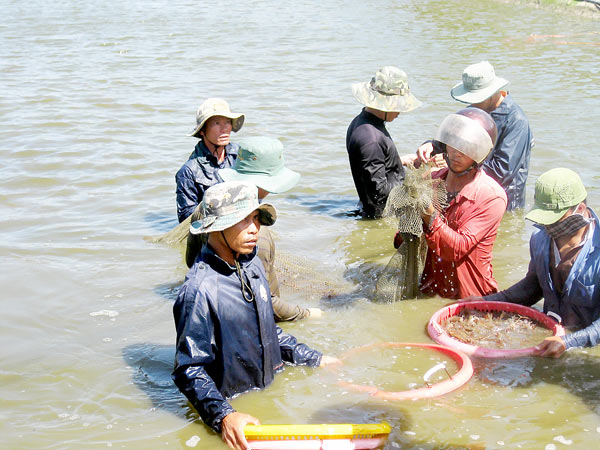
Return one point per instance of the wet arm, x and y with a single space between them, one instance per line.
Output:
586 337
284 311
296 353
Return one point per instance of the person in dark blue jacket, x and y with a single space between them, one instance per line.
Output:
565 262
214 124
508 163
227 340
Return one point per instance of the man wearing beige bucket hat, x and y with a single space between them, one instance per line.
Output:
214 124
227 340
508 163
374 161
565 262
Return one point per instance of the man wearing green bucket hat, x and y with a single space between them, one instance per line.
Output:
374 161
227 340
260 162
565 262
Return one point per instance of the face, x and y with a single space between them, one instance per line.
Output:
458 161
217 130
489 104
262 193
243 235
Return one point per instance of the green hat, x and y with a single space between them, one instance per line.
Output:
260 161
227 203
387 91
555 192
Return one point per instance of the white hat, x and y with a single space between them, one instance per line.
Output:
479 82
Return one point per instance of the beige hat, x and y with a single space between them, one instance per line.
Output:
216 107
387 91
479 82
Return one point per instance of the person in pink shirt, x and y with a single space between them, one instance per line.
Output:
460 239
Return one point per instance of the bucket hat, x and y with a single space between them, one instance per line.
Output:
479 82
387 91
260 161
227 203
216 107
556 191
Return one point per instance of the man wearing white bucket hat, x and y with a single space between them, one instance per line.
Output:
214 124
508 163
374 161
227 340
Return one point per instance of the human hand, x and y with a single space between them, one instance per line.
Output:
551 347
232 429
424 152
409 159
439 161
329 361
315 312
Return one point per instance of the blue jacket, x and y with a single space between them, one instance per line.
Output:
198 174
227 345
579 306
508 163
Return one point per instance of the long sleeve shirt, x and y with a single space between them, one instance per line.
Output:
460 241
579 303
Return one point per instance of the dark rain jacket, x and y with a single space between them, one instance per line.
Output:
508 162
374 162
198 174
579 305
227 345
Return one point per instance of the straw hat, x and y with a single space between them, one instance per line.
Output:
260 161
216 107
387 91
479 82
227 203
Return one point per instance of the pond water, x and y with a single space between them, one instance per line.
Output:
96 100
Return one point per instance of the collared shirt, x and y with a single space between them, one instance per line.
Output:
198 174
460 241
374 162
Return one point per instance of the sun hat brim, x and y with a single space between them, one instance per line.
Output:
388 103
285 180
460 93
237 120
546 216
267 216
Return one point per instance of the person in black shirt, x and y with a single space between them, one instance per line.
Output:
374 161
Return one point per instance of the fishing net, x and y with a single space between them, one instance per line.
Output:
301 274
400 278
495 329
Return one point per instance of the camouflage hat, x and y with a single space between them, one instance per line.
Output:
387 91
227 203
216 107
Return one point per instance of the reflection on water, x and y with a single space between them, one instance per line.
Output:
95 105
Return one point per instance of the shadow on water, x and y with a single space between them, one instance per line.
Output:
328 205
393 414
576 372
151 366
168 291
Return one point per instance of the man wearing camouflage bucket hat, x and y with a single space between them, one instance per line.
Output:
565 262
214 124
260 162
374 161
227 340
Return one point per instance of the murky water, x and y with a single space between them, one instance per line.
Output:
95 103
